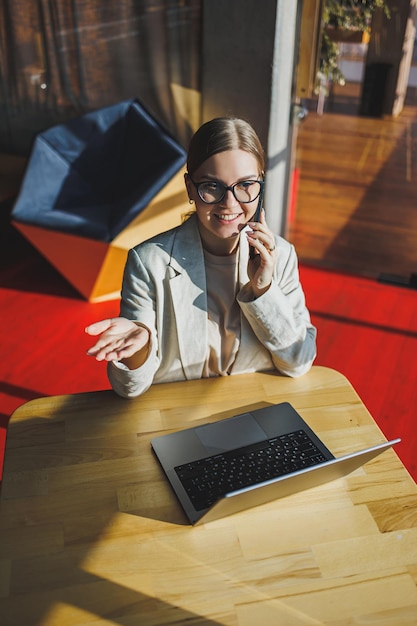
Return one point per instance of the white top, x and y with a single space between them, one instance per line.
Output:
223 314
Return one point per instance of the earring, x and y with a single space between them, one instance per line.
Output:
190 201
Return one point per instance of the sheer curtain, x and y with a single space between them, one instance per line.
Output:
60 58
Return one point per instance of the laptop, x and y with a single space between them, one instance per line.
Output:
231 465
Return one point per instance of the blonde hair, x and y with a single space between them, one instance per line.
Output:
221 134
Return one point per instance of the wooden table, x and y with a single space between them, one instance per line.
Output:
91 534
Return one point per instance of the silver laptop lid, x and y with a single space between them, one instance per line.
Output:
291 483
199 442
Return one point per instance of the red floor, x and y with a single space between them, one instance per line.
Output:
368 331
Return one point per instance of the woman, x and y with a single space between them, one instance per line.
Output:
219 294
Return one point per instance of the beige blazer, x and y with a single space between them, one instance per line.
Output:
164 288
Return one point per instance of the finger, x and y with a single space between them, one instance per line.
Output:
115 349
256 244
98 327
104 346
114 356
267 239
122 352
98 351
262 243
104 354
260 231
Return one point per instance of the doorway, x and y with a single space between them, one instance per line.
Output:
355 207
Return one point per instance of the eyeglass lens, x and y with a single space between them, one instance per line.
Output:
244 191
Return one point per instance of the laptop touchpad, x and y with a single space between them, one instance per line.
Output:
242 430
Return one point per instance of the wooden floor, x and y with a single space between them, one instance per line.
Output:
356 208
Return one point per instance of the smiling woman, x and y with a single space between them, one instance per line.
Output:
219 294
225 198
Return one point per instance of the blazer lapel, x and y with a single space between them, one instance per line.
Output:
189 297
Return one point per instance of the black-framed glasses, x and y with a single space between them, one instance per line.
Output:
213 191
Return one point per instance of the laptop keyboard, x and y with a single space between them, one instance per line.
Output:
208 479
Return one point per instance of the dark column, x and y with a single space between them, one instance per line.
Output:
247 70
388 60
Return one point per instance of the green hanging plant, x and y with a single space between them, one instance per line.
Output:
352 14
329 61
343 15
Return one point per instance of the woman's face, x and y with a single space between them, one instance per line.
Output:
224 220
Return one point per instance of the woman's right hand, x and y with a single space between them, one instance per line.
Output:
120 339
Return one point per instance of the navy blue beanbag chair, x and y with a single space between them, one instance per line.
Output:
94 174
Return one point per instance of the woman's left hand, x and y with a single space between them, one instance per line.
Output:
261 267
